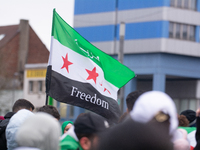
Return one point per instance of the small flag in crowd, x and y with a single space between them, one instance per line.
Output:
82 75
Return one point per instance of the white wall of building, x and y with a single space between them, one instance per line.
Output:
36 97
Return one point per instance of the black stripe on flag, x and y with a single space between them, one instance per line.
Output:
83 95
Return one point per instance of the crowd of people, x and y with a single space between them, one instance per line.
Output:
150 122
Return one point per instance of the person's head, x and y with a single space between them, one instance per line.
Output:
22 104
130 135
40 131
183 121
131 98
50 110
150 104
14 124
66 125
191 116
87 126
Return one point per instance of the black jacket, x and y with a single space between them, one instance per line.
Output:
197 147
3 125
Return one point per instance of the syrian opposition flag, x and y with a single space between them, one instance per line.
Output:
82 75
191 136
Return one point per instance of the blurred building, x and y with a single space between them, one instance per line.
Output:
162 42
34 83
21 49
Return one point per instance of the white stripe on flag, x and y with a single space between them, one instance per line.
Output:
77 69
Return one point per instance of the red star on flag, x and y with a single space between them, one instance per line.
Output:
66 63
106 90
92 74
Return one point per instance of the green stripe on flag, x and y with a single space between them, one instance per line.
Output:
114 72
50 101
188 129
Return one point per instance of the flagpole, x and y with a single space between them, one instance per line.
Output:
47 96
49 62
120 58
49 71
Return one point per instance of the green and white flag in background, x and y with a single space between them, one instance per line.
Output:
82 75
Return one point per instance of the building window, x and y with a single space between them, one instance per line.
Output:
63 110
185 32
199 35
192 33
178 31
30 86
40 85
171 28
172 2
36 87
182 31
71 111
185 4
193 4
184 104
179 3
2 36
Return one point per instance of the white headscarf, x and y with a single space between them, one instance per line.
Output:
40 131
150 103
13 126
70 132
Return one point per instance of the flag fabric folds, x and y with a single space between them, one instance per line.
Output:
80 74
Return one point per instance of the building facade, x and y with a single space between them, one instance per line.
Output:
162 43
34 84
19 45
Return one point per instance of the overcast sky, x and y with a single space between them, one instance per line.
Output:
38 12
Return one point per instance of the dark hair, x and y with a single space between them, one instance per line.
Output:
131 135
183 121
22 104
80 135
88 135
191 116
89 124
132 97
50 110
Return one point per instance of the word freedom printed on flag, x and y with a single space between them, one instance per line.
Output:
82 75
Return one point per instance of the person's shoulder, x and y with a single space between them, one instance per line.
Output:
4 122
9 115
3 125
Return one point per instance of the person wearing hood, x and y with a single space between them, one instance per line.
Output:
158 107
39 132
187 121
18 105
66 126
13 125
